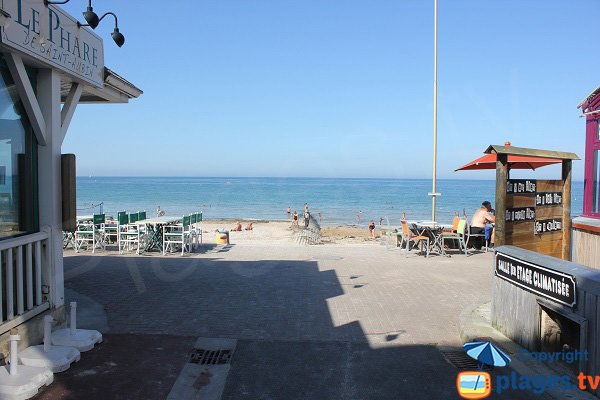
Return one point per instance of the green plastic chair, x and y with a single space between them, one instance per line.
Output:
459 236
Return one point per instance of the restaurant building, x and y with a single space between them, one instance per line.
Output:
586 228
49 64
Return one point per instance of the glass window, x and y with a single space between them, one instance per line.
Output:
18 163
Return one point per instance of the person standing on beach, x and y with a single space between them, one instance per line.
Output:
372 229
305 208
358 216
289 211
295 218
306 218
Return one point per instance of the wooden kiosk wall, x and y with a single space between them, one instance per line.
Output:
533 214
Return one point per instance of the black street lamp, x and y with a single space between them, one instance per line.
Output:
93 20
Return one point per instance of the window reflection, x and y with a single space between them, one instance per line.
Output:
17 161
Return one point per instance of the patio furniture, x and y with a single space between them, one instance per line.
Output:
153 231
476 235
90 232
111 233
391 234
177 235
408 237
129 232
458 236
198 226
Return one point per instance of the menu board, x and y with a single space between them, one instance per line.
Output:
533 218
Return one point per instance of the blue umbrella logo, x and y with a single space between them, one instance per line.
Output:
487 353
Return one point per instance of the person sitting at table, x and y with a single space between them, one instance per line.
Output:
237 228
483 218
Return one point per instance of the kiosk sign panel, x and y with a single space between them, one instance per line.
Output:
545 282
53 37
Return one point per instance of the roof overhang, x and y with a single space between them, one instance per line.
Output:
116 89
523 151
588 99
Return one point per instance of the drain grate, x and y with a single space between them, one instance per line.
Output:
210 357
461 360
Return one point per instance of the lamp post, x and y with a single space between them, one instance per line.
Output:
434 192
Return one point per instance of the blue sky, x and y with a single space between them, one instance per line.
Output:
335 88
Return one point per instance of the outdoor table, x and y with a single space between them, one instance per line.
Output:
433 230
155 227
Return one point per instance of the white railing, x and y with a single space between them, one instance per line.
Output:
21 263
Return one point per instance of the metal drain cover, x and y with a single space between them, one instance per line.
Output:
210 357
461 360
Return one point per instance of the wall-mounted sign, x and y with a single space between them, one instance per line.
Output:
548 199
520 214
554 285
548 225
517 186
53 37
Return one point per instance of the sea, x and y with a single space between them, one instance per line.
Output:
333 201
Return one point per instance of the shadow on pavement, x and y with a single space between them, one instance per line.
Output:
288 345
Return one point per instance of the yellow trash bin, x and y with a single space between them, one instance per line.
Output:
222 238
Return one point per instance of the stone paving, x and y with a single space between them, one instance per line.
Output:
312 322
361 293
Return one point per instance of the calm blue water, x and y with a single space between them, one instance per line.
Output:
338 200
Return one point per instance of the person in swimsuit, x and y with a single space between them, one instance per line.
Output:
289 211
372 229
295 218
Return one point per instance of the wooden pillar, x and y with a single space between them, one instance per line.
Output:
501 177
566 213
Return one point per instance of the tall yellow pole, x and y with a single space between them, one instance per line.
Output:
434 193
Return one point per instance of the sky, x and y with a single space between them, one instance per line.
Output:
336 88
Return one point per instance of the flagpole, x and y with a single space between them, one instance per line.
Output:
434 193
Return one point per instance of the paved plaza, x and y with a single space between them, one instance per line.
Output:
311 322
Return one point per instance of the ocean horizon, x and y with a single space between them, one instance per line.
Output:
333 200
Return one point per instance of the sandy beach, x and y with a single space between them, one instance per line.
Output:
282 232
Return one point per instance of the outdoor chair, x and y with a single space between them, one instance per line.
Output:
90 233
197 226
111 233
455 221
408 236
476 235
129 232
458 236
177 235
